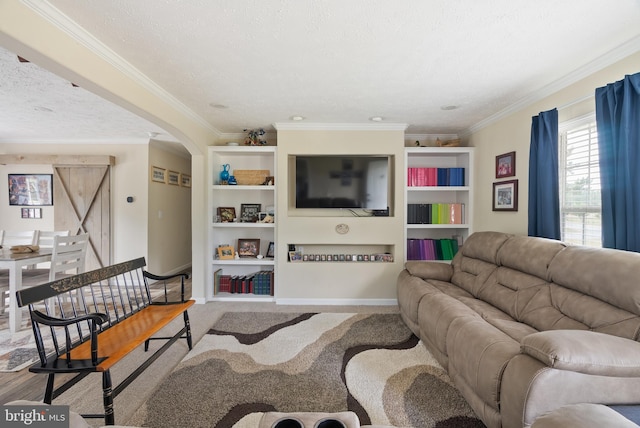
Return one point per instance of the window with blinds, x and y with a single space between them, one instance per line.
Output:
580 201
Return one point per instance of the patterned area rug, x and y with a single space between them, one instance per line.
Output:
251 363
17 350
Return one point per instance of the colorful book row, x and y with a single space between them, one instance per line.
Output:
435 176
259 283
431 249
435 213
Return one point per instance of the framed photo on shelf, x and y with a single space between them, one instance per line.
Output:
31 189
248 247
295 256
249 212
227 214
271 251
506 165
226 252
505 196
173 178
159 175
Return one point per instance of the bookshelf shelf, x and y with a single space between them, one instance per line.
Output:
441 158
228 234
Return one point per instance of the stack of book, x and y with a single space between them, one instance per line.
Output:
435 177
435 213
431 249
259 283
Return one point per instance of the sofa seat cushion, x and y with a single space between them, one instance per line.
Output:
478 354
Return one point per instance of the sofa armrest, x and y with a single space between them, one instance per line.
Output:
585 352
430 270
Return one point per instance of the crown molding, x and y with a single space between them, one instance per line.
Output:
288 126
621 52
51 14
79 140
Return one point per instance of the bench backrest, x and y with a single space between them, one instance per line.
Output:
117 291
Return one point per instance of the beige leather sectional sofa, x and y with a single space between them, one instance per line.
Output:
527 325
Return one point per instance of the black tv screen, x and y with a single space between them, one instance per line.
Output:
342 181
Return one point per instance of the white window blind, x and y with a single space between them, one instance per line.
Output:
580 200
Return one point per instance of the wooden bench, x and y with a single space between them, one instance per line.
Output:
88 322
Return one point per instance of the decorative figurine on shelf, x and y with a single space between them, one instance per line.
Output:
254 137
232 181
224 174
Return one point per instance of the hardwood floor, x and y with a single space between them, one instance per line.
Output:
23 385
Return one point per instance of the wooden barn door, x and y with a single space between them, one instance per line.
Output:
82 198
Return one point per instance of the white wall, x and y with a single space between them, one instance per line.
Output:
10 216
169 221
512 133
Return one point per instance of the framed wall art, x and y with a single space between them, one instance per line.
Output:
159 175
506 165
31 189
173 178
185 180
505 196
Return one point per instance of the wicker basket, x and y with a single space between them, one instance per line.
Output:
249 177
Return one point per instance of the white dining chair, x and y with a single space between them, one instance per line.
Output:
45 237
10 238
68 256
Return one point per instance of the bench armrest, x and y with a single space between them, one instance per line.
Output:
95 319
585 352
45 319
165 278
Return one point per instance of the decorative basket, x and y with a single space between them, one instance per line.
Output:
248 177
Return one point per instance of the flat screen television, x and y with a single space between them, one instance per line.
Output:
342 181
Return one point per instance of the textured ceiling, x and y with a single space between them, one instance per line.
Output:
330 61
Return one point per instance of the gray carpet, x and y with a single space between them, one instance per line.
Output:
251 363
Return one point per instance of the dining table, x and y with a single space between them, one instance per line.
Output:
15 263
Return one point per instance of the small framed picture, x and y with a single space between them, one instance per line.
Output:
248 247
271 250
506 165
249 212
226 252
173 178
295 256
505 196
305 257
227 214
185 180
159 175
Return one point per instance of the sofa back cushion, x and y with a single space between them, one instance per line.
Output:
612 276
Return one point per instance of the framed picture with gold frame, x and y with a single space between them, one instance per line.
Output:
159 175
226 252
173 177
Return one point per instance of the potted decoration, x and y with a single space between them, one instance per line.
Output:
254 137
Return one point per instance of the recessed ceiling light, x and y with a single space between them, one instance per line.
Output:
376 119
297 118
41 108
218 106
152 134
450 107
